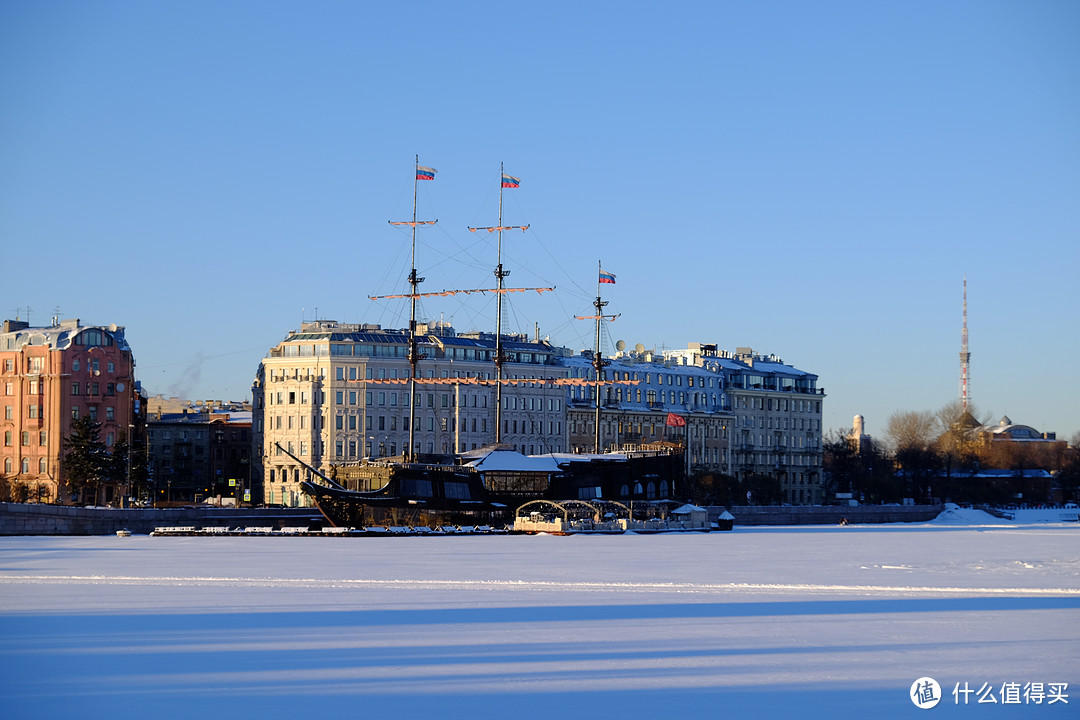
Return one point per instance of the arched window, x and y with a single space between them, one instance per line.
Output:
624 491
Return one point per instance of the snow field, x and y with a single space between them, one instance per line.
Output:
776 621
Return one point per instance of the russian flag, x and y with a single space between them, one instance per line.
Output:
509 181
606 277
425 173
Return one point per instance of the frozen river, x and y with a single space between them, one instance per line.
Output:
794 621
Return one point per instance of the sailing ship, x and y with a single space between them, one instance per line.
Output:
487 485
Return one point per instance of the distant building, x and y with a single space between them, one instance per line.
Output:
200 457
161 404
776 412
51 375
860 440
1007 431
636 411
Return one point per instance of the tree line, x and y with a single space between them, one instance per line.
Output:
925 456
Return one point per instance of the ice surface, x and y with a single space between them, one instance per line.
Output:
775 622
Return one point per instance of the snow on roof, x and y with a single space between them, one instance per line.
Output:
565 458
687 509
513 461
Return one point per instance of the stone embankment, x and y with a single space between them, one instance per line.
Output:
827 514
30 519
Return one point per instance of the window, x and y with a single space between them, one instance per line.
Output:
110 414
42 438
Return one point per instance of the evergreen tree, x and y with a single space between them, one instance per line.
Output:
86 461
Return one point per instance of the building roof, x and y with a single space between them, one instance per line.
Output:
59 337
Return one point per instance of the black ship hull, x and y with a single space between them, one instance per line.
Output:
433 495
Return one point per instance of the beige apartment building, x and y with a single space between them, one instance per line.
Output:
334 394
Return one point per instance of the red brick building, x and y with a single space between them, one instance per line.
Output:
49 376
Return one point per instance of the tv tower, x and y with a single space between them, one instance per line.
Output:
965 358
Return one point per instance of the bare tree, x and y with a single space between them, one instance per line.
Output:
911 430
958 442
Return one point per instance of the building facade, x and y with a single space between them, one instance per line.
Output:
776 413
50 376
333 394
643 391
200 457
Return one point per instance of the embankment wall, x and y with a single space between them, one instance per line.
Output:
30 519
827 514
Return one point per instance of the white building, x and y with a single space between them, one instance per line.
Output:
333 394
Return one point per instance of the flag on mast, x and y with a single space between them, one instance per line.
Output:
509 181
425 173
606 277
675 420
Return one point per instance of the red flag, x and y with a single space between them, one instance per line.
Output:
675 421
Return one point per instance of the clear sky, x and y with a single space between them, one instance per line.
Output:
812 180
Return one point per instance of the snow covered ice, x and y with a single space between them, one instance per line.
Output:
803 621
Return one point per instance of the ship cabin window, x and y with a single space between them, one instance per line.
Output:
415 487
516 482
456 490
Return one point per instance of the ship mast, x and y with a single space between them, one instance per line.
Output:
599 363
505 181
414 356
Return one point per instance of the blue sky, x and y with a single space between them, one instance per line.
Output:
812 180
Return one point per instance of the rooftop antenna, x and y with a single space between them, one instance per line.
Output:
965 358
